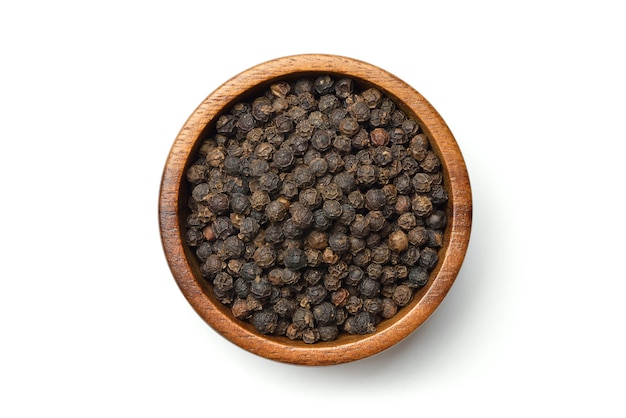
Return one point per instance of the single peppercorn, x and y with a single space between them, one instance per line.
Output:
291 230
418 277
356 199
276 211
359 324
366 175
303 318
332 209
375 199
317 240
320 221
398 241
264 256
338 242
368 287
301 215
376 220
360 227
323 84
324 313
265 321
402 295
295 259
360 111
422 205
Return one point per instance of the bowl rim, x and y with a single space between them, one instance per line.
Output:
347 348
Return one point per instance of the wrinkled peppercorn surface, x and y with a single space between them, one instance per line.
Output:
316 208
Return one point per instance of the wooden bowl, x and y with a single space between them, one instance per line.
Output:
175 192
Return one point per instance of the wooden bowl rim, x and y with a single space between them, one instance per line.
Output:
347 347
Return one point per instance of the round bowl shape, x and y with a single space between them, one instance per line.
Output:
175 192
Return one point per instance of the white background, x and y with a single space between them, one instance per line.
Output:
92 96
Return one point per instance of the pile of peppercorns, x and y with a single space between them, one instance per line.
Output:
316 208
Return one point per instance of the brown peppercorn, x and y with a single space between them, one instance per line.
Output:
329 256
407 221
422 205
301 215
381 254
389 308
402 295
421 183
379 137
276 211
208 233
356 199
259 200
360 227
317 240
339 297
376 220
430 163
240 309
398 241
310 198
366 175
265 256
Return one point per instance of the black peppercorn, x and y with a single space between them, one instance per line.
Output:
328 332
356 199
359 324
320 221
348 214
295 259
376 220
250 271
260 288
265 321
291 230
421 183
368 287
283 158
233 247
418 277
310 335
324 313
321 140
375 199
360 111
223 227
345 181
410 256
332 209
327 103
366 175
338 242
428 258
335 162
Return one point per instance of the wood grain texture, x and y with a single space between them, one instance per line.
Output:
174 193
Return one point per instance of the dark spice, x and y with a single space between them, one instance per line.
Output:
316 208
